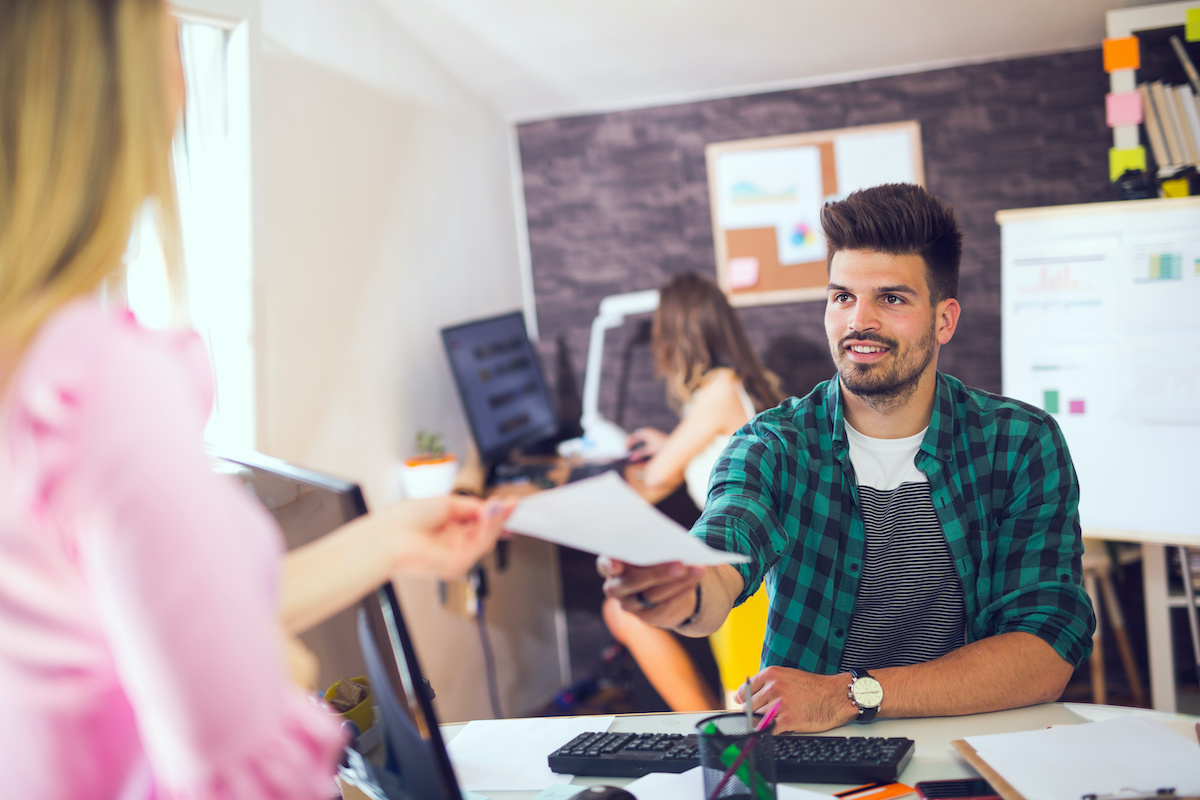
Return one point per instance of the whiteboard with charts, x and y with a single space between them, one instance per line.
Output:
1101 328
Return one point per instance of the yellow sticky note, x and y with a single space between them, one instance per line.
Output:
1121 160
1177 187
1121 53
1191 24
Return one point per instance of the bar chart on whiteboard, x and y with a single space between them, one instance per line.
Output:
1062 315
1101 330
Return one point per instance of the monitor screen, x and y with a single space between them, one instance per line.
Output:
500 383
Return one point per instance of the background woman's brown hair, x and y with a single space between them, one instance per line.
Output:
695 331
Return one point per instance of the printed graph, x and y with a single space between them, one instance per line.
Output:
1165 266
1066 285
1054 401
1052 279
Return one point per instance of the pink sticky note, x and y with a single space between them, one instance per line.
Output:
1124 108
743 272
1076 406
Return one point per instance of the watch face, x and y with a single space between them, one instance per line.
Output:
867 692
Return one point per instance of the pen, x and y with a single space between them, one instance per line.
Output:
749 706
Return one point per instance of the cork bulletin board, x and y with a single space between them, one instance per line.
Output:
766 196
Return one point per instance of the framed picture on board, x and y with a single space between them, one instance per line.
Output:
766 196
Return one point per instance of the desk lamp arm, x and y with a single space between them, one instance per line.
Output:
599 433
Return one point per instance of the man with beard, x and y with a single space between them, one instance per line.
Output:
919 539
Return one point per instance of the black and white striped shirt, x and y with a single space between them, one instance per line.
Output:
910 606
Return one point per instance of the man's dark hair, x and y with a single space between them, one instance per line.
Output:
899 219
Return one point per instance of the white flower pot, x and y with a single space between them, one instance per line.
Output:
428 479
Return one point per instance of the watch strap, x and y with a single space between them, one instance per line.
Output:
864 714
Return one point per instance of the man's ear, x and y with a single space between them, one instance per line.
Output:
946 314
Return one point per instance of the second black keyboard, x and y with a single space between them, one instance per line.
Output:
798 758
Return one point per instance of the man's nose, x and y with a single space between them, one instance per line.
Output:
864 317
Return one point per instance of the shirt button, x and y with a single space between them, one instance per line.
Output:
854 567
1066 579
839 633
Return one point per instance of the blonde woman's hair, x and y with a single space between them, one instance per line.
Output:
695 331
85 141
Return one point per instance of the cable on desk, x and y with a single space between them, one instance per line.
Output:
479 582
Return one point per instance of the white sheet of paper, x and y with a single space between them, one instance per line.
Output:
560 791
605 515
1098 757
690 784
510 754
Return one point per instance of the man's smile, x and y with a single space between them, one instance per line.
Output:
865 348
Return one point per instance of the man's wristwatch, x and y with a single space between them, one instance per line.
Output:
866 693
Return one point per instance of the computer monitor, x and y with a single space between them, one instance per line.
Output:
308 504
501 385
415 751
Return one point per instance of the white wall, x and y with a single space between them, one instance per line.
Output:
383 210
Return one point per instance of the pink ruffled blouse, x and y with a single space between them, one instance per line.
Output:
139 655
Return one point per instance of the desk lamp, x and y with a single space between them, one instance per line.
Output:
601 438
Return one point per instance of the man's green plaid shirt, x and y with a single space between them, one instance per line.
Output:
1003 487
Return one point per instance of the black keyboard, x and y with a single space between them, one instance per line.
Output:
591 470
798 758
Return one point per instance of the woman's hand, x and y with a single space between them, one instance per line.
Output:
644 443
445 536
441 537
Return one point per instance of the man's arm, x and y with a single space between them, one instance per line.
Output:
1000 672
692 600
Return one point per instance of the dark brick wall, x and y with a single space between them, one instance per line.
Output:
618 202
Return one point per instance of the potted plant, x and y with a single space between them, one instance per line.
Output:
432 471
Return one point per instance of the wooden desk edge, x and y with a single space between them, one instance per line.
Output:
1003 787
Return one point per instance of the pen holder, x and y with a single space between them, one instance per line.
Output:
738 761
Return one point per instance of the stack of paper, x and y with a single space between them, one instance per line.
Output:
1121 757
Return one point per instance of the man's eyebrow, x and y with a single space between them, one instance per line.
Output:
902 288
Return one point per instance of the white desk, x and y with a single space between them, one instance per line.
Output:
1159 602
933 757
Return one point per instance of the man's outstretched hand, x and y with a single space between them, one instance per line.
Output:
663 595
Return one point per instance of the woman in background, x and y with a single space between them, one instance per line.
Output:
718 382
144 636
